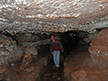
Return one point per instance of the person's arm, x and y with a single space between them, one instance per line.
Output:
51 49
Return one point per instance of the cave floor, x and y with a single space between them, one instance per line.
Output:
53 74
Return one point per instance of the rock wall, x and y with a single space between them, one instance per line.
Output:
30 43
99 48
79 66
89 63
23 62
54 15
9 51
27 69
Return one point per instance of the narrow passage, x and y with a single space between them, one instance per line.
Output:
57 74
53 74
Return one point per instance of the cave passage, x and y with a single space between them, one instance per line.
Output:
69 40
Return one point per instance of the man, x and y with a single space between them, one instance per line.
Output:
55 48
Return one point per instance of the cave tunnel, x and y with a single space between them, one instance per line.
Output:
70 40
33 52
34 55
80 25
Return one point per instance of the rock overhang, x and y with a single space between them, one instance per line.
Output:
53 15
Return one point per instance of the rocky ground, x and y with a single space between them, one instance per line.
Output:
79 62
78 66
28 68
53 74
57 74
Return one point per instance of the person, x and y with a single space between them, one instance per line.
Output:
55 48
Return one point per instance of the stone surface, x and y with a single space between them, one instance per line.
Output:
22 64
3 70
31 43
99 48
25 37
9 51
79 75
54 15
26 59
29 39
31 50
28 68
79 66
87 37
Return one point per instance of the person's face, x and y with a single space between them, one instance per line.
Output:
52 38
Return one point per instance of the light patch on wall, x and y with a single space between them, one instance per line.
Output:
3 19
21 1
76 14
5 6
75 2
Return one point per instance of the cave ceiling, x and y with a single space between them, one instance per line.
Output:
53 15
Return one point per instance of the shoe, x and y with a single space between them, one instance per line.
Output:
57 66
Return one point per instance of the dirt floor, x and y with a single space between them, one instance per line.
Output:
53 74
57 74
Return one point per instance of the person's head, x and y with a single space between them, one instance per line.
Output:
52 37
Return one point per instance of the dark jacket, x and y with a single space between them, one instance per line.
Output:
56 46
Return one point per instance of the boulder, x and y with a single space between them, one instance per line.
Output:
31 50
99 48
79 66
9 51
79 75
28 68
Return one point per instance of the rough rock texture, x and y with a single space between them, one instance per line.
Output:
53 15
28 69
31 50
3 71
87 37
31 43
99 48
79 66
9 51
27 37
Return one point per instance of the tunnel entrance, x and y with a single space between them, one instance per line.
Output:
69 41
32 43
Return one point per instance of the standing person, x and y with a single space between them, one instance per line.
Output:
55 48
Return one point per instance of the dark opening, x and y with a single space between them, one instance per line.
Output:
69 41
